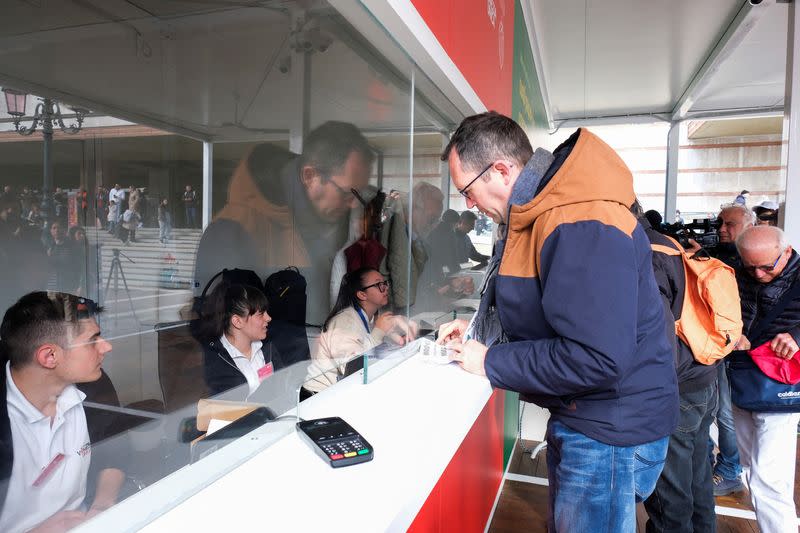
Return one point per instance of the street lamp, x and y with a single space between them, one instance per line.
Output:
47 114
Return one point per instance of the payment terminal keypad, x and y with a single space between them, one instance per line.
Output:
335 441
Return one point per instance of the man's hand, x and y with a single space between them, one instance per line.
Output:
452 331
693 247
470 356
784 345
61 521
742 344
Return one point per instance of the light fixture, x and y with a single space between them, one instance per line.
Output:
46 114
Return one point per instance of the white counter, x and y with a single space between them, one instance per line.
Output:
415 417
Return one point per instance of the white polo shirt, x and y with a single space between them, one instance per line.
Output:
33 495
248 367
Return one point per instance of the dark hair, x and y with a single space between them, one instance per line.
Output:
450 217
654 218
73 230
480 139
226 300
328 146
38 318
468 216
352 282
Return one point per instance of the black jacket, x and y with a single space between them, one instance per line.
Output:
758 298
671 280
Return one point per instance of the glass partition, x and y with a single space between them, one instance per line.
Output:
208 174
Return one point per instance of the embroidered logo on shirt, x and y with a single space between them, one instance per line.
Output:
85 449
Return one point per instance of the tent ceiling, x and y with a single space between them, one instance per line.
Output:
603 58
210 69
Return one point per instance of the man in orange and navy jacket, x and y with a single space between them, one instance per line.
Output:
580 309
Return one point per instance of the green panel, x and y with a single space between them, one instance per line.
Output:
510 424
527 105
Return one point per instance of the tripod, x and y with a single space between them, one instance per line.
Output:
116 271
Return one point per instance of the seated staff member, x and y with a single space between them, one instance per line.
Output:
51 341
354 326
235 325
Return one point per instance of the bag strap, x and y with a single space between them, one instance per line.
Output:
777 309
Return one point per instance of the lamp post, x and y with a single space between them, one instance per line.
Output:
46 115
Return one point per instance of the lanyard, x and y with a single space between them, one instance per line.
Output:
363 317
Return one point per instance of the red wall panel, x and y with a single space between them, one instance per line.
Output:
478 35
463 498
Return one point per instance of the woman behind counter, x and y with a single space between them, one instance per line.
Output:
235 325
354 326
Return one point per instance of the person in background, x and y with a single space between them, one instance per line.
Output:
51 342
355 325
130 221
113 217
573 288
164 222
733 220
442 241
190 206
35 217
766 213
234 327
101 206
63 270
767 441
683 498
83 205
654 218
678 217
464 247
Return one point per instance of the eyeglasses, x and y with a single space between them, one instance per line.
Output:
345 194
381 286
763 268
464 192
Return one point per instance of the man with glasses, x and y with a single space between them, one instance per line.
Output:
733 220
284 210
767 441
576 298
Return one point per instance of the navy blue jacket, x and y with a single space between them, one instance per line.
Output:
577 298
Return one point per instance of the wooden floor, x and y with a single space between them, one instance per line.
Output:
523 505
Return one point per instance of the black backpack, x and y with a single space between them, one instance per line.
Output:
232 276
286 294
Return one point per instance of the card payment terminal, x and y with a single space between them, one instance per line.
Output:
335 441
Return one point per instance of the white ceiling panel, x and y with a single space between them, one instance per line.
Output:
621 57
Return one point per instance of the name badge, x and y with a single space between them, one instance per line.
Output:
265 371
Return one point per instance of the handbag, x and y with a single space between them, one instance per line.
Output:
751 389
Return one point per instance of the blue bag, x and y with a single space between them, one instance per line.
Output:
752 390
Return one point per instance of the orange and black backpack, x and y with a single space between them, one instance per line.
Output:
711 316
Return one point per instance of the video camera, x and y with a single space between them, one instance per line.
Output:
702 230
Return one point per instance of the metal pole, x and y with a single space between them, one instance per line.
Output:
47 137
671 185
791 131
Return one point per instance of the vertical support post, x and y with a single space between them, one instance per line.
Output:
444 171
208 178
301 76
671 186
791 131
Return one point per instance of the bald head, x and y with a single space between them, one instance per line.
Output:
764 251
761 238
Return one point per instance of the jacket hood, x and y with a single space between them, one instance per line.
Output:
591 171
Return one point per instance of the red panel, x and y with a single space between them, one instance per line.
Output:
463 498
478 35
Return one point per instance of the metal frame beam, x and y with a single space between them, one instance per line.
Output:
737 30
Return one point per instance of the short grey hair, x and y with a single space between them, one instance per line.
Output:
748 216
756 235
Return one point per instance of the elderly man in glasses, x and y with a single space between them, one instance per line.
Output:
572 283
770 268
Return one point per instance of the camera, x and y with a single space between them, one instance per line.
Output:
701 230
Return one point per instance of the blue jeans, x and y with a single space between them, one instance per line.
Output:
684 495
727 465
594 487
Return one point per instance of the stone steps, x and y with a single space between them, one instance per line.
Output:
155 264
